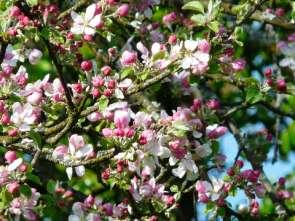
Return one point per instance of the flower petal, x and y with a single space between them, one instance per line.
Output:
90 11
69 172
15 164
80 170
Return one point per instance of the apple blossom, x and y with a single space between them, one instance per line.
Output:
86 24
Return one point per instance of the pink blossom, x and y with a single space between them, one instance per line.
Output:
238 65
170 18
121 119
35 56
128 58
123 10
10 156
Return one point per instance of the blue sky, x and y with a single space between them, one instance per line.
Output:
274 171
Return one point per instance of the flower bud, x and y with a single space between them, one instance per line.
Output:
13 187
238 65
281 85
15 11
87 37
121 119
268 72
106 70
213 104
170 18
10 156
35 98
128 58
204 46
86 65
35 56
280 12
123 10
172 39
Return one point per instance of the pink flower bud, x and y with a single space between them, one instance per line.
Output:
230 172
170 18
106 174
281 85
107 209
238 65
128 58
169 200
89 201
7 70
5 119
12 31
111 84
106 70
111 2
87 37
86 65
23 20
107 132
112 52
95 92
35 98
254 208
23 168
35 56
123 10
268 72
260 190
204 46
94 117
78 88
121 119
97 81
213 104
197 104
119 132
282 181
70 35
2 106
108 92
15 11
13 187
280 12
172 39
68 194
12 132
240 163
10 156
129 132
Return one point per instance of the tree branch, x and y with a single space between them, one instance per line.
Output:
73 8
258 16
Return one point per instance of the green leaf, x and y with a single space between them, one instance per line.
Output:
253 95
180 126
50 187
126 72
174 189
34 178
36 138
214 26
199 19
103 103
25 190
194 5
159 55
32 2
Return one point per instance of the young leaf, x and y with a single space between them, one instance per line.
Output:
194 5
199 19
214 26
